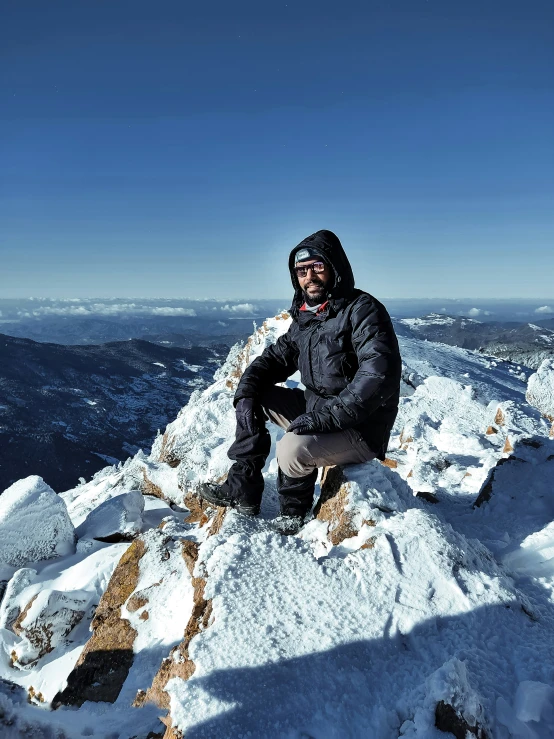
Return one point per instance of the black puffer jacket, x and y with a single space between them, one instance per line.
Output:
347 355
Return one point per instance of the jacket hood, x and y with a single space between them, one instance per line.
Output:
328 245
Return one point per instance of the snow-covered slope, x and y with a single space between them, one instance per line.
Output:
419 598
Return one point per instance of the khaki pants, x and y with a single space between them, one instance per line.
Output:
299 455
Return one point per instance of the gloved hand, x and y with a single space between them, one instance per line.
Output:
247 416
309 423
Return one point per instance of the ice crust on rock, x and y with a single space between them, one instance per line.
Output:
34 523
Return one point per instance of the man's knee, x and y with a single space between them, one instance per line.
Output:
293 456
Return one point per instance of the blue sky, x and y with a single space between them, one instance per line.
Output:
180 149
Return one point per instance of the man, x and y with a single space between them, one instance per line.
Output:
342 341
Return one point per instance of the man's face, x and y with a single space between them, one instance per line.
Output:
314 284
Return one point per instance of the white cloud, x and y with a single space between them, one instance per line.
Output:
173 311
545 309
107 309
474 312
245 308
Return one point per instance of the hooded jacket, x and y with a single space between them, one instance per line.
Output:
347 354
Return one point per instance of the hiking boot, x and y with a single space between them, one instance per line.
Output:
218 495
287 525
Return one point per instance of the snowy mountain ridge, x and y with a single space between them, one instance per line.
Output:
418 600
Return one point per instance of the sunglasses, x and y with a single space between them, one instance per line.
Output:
316 267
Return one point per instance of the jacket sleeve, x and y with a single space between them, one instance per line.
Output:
379 368
276 364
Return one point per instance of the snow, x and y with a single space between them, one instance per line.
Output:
540 389
121 515
34 523
420 603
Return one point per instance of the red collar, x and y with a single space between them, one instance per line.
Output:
319 310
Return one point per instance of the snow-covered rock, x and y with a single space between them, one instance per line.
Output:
34 523
450 704
45 621
540 389
116 519
9 608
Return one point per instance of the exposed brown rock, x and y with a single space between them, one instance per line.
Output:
17 627
179 663
144 616
105 661
150 488
217 521
170 732
189 550
404 441
167 453
500 418
197 508
449 720
508 447
33 696
369 543
390 463
136 601
551 434
241 362
491 430
331 506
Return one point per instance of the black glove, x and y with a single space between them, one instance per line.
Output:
248 415
309 423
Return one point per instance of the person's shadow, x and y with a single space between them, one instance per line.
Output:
370 688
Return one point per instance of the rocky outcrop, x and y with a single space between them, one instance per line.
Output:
34 523
107 657
449 720
10 609
45 621
179 663
332 507
167 453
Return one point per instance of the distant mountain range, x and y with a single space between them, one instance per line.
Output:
67 411
522 343
172 330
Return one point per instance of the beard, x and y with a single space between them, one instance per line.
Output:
314 297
